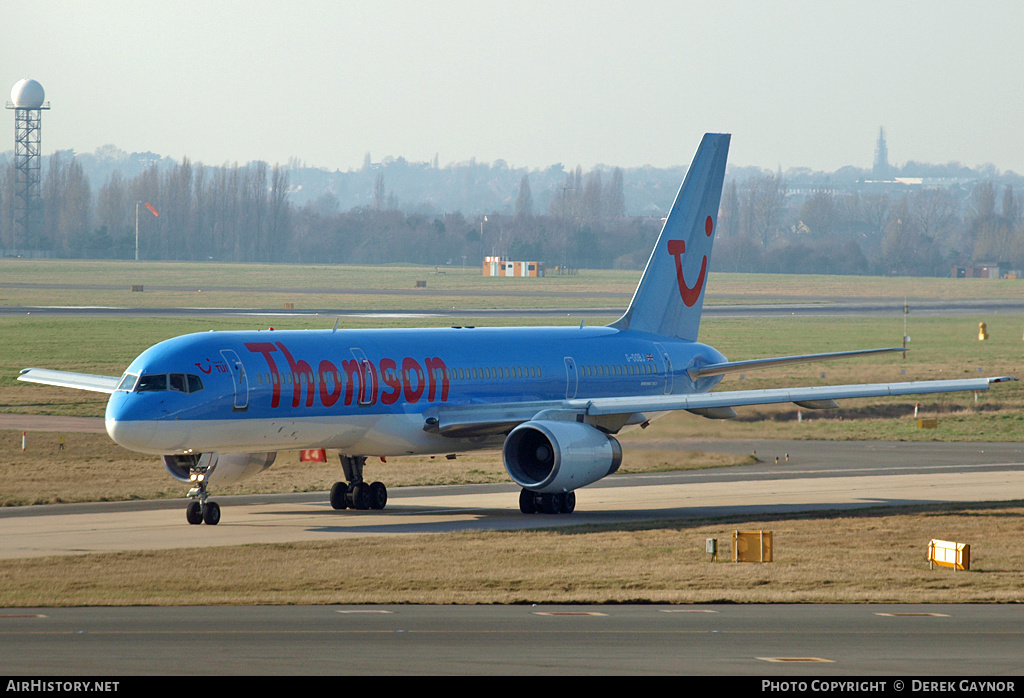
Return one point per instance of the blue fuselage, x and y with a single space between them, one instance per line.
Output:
367 391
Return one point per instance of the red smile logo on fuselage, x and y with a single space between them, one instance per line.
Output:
677 248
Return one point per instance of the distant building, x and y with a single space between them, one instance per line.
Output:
985 271
501 266
881 169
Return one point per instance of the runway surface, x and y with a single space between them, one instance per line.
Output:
805 641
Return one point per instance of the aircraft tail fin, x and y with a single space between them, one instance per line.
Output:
669 299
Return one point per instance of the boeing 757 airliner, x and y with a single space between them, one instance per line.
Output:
218 406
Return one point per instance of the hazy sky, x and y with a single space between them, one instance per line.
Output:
798 84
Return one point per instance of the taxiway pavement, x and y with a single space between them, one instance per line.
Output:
817 476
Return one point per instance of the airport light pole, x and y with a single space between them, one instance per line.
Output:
137 230
151 210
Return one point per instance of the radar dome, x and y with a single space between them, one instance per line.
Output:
27 94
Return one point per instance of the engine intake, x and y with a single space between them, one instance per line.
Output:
219 468
552 456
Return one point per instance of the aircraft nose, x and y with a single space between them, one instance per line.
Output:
132 433
135 436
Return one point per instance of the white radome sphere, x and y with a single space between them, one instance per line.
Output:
27 94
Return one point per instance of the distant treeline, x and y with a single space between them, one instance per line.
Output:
879 228
840 223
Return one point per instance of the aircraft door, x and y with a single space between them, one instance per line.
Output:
367 393
571 378
667 362
239 378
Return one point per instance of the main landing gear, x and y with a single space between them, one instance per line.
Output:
531 502
356 494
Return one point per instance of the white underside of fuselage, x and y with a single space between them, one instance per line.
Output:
377 435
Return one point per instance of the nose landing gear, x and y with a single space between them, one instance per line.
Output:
201 509
198 513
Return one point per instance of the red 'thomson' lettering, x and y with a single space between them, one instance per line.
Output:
358 381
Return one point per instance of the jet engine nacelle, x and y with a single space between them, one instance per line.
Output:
552 456
218 468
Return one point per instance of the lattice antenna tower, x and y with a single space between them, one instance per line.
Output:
27 101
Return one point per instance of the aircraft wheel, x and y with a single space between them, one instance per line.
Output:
550 503
360 493
568 502
378 495
527 502
211 514
194 512
339 498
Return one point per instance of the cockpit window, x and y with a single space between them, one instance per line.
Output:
179 382
157 381
127 382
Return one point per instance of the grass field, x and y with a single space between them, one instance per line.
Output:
208 284
815 559
865 556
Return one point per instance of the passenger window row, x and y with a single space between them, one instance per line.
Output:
495 372
592 370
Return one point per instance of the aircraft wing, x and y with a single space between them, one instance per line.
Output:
737 398
68 379
613 413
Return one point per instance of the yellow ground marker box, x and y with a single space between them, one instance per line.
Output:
752 546
949 554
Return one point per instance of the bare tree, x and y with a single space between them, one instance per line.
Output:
260 194
615 197
729 216
876 212
524 201
1011 207
765 196
280 216
983 200
592 200
818 212
7 194
379 193
905 250
67 204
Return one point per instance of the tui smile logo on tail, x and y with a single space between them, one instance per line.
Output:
677 248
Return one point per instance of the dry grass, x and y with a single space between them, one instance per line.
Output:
866 556
734 287
110 280
92 468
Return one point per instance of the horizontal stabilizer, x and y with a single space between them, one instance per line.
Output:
737 366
